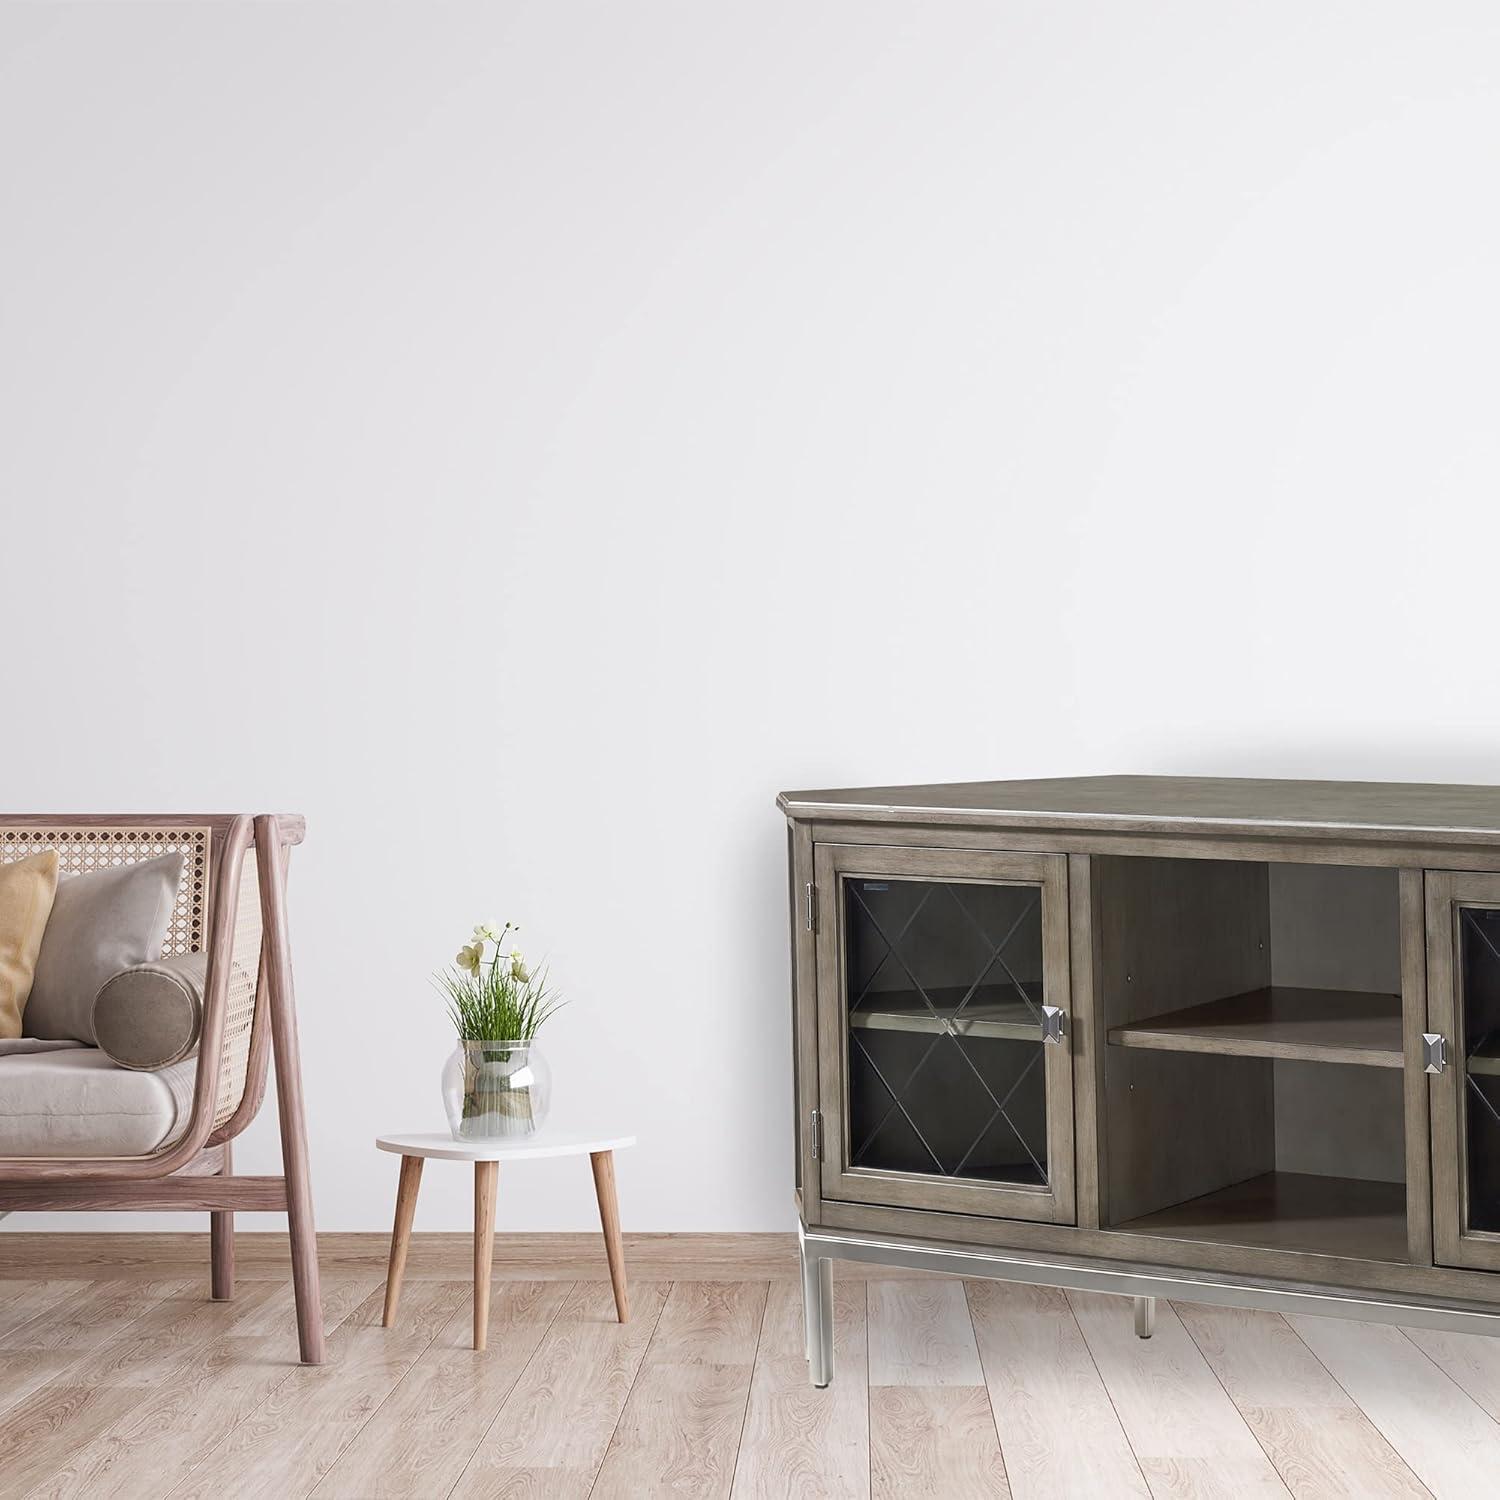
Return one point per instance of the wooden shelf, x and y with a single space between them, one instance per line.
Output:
994 1011
1291 1211
1336 1026
1485 1058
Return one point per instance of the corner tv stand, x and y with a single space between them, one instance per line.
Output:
1231 1041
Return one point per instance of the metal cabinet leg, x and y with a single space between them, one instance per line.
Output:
807 1317
1145 1317
817 1315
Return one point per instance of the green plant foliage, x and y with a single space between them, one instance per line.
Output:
496 998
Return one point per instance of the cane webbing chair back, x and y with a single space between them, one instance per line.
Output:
83 849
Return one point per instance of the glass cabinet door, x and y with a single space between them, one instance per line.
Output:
1462 1055
946 1060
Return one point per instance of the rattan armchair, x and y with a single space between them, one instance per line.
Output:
231 903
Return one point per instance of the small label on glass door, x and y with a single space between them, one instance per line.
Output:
875 885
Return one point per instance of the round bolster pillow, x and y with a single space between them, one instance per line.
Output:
149 1016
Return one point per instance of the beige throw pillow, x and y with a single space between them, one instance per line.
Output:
101 923
26 891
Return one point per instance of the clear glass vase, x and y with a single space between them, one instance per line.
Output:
496 1091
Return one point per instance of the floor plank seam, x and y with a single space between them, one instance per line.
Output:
1317 1360
61 1378
1234 1405
1276 1468
640 1365
41 1312
988 1400
1374 1425
250 1415
562 1302
1088 1349
438 1330
739 1446
1406 1334
269 1395
176 1289
1420 1470
1457 1384
114 1427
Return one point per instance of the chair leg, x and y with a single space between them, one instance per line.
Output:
299 1210
221 1246
406 1208
486 1174
609 1217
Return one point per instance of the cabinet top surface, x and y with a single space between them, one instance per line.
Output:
1178 804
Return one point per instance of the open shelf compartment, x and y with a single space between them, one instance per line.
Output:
1254 1081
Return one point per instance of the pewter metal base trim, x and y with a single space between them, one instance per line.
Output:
1145 1281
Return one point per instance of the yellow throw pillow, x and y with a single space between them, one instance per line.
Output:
26 891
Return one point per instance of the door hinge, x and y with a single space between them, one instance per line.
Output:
812 907
815 1134
1054 1023
1434 1052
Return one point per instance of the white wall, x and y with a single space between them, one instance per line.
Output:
525 437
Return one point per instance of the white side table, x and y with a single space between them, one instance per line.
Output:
487 1156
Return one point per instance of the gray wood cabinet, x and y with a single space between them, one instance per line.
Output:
1237 1041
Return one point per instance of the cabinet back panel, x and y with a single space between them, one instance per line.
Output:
1336 927
1339 1121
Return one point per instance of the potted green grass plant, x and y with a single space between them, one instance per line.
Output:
497 1084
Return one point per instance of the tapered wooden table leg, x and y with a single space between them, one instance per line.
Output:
406 1207
609 1216
485 1175
487 1156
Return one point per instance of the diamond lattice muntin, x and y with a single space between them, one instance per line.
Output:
1479 935
944 991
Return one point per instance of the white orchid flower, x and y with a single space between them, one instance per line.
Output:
469 956
518 970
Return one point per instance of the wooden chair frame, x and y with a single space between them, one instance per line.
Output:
194 1173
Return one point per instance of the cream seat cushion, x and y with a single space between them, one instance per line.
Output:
76 1102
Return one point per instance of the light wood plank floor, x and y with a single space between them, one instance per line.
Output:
139 1387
